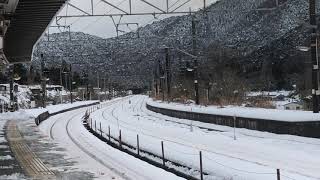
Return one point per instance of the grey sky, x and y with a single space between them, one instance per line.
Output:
103 26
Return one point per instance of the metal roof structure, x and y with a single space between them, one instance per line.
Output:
27 23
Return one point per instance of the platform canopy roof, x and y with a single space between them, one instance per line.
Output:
27 23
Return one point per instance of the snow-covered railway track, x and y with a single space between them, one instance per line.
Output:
133 118
93 155
83 148
179 141
80 142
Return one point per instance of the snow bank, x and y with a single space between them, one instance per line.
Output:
25 114
60 107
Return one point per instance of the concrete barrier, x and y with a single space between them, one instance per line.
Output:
45 115
306 129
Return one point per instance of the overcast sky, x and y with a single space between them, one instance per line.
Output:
103 26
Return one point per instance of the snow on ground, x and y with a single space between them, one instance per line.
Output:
95 156
253 155
246 112
17 115
25 114
56 108
59 107
269 93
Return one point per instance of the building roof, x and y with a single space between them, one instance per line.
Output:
27 24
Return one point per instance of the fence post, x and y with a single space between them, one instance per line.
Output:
138 146
109 133
100 130
95 125
234 127
120 142
201 170
91 123
163 160
278 174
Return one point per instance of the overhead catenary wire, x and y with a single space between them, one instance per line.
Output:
98 19
80 17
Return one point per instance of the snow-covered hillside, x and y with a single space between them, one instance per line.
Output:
264 39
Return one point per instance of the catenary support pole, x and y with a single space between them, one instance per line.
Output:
313 50
195 60
168 74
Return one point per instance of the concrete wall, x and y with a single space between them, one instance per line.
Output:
44 116
307 129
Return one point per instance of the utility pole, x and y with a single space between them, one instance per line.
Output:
155 78
43 82
98 80
66 80
87 81
158 87
161 79
104 87
61 71
70 82
168 77
195 69
313 50
11 69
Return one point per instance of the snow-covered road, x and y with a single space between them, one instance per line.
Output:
253 155
93 155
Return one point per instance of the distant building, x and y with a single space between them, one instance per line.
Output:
3 88
294 106
54 87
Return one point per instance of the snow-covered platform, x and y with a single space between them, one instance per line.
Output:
302 123
20 143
